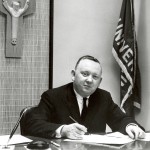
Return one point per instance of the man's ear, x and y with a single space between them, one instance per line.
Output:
73 74
101 79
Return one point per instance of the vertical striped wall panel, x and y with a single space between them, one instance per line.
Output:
22 81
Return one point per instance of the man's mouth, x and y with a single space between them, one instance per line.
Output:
87 86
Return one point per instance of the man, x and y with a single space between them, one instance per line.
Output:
59 113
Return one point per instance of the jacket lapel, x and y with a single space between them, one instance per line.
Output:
72 104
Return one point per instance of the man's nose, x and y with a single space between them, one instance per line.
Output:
89 79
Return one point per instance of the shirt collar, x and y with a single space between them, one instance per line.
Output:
79 96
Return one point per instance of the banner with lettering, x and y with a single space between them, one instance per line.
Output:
125 52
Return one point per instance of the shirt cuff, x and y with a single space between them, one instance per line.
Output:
133 124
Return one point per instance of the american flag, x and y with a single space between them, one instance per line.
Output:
125 52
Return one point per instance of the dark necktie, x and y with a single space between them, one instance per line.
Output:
84 110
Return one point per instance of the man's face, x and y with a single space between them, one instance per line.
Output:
87 77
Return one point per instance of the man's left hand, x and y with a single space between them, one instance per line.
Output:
134 131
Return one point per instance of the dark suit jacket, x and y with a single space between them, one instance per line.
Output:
58 104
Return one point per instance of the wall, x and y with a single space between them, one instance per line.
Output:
87 27
143 36
23 80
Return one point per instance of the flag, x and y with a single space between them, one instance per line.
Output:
125 53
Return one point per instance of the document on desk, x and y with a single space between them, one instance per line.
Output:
111 138
16 139
147 137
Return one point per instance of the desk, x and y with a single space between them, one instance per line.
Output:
137 145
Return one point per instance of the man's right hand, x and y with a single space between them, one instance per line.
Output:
73 131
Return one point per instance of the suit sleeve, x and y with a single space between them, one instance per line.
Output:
39 122
116 119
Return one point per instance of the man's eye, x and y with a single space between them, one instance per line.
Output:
84 74
95 77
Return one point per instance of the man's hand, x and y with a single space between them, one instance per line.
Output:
134 131
73 131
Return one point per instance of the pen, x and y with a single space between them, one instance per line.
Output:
13 131
16 125
55 144
73 119
87 133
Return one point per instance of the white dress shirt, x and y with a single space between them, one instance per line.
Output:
80 101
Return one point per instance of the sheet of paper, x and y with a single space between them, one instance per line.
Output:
147 137
113 138
16 139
